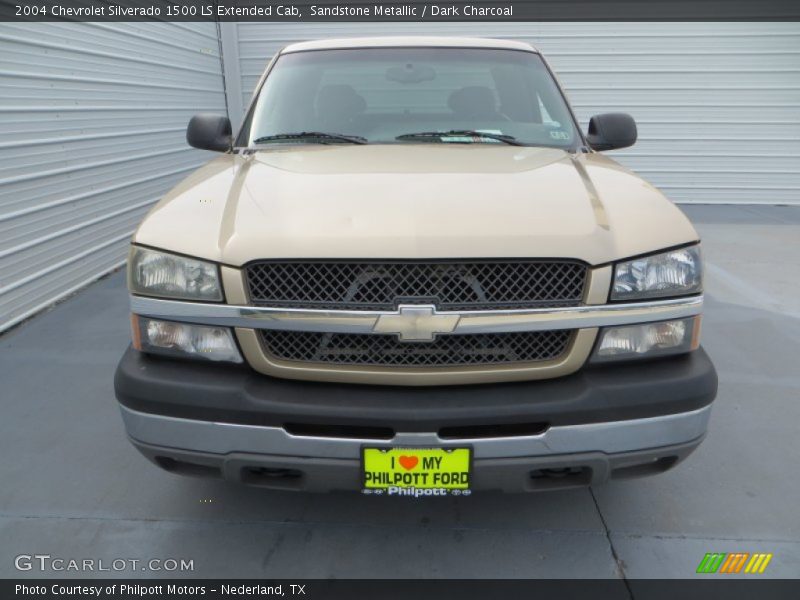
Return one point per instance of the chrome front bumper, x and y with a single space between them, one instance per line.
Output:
573 454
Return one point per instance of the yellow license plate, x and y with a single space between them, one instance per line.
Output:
401 471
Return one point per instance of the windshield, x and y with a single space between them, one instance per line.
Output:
410 95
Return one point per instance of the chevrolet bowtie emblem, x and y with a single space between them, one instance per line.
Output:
416 323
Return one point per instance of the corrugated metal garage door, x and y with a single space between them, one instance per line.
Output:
718 104
93 119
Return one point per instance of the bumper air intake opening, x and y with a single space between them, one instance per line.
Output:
272 477
492 431
181 467
564 477
651 467
340 431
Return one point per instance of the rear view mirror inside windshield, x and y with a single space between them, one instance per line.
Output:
411 73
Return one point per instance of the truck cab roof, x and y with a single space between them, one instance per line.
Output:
409 41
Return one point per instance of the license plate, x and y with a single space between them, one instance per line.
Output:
416 471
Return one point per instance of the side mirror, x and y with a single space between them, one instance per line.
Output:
610 131
209 132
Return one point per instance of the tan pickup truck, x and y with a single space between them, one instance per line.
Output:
410 273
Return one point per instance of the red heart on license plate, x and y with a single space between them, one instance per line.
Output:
408 462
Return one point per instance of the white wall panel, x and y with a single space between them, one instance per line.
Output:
717 104
92 126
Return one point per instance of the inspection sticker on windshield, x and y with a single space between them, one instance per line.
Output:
416 471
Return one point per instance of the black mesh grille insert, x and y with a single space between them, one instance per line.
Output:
475 285
444 351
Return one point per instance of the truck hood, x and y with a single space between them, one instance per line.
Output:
413 201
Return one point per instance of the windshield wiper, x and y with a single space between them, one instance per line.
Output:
507 139
312 135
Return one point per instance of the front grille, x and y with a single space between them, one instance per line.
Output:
381 285
389 351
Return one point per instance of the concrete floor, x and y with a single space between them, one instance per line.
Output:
71 485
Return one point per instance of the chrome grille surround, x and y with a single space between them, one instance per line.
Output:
380 350
489 284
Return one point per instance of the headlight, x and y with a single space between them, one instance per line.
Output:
184 340
154 273
648 340
673 273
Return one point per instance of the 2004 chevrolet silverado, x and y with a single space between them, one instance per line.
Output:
410 273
